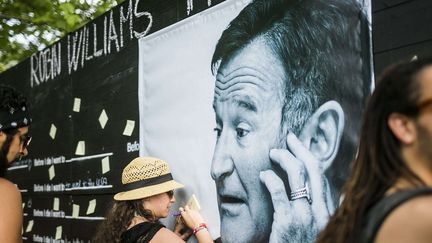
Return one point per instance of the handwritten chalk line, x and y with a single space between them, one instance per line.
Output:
85 217
23 190
88 157
88 188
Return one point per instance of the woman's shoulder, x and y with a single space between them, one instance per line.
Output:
409 222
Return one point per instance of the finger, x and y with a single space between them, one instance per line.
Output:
315 176
276 188
293 167
299 151
186 235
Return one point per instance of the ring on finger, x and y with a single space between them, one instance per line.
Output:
301 193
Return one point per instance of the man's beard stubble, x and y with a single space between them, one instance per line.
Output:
4 164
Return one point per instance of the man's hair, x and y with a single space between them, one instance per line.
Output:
323 46
9 99
379 163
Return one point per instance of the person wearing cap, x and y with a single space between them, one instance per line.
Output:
146 197
14 139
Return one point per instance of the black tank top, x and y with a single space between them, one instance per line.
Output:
141 233
379 212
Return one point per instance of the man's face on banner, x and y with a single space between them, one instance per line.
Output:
248 106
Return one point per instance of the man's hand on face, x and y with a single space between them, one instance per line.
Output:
297 220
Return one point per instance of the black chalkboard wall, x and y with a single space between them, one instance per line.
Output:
401 30
75 159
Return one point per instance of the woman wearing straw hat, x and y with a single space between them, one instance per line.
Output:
147 197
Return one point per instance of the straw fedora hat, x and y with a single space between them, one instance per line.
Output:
145 177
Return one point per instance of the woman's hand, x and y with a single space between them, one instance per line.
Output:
195 221
181 229
191 217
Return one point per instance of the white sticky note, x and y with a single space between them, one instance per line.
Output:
53 131
91 207
130 125
75 210
51 172
59 230
29 226
103 118
77 105
80 149
56 204
105 165
193 203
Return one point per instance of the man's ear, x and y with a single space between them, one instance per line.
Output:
402 127
323 131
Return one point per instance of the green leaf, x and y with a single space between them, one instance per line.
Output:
35 17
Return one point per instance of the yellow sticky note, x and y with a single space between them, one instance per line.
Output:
75 210
91 207
130 125
29 226
77 105
51 172
193 203
59 230
56 204
80 149
53 131
105 165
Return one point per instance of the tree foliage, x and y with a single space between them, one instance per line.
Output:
27 26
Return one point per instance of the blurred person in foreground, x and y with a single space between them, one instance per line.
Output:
14 139
147 197
388 196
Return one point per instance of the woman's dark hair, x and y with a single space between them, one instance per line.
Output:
379 163
118 219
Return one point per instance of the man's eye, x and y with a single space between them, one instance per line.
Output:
241 132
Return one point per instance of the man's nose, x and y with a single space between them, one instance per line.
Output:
24 152
222 164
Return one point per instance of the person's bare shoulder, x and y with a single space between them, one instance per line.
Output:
10 211
166 235
10 192
410 222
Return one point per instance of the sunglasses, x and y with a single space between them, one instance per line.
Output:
424 104
25 141
170 194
